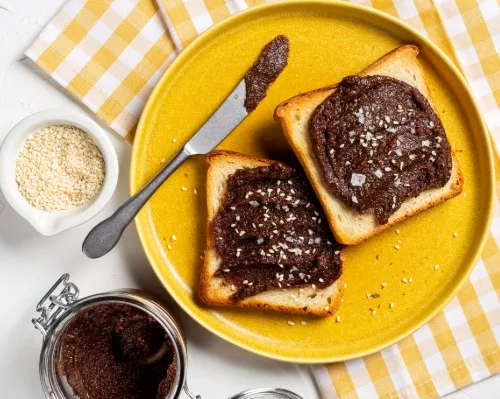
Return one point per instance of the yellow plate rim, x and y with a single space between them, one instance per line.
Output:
457 75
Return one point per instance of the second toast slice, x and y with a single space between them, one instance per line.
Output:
348 225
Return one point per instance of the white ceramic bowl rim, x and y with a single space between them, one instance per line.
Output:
49 223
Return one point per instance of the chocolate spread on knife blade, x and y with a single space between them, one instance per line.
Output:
115 351
271 62
379 142
271 233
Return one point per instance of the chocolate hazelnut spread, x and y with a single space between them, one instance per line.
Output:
271 62
271 233
379 142
115 351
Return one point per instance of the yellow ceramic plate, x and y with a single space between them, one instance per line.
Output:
328 41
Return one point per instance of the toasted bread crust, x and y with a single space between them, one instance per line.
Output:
347 224
215 291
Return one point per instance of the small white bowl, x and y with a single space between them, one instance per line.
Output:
49 223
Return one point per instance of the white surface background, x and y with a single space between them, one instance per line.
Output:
30 263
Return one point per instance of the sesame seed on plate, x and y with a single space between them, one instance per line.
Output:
410 280
383 285
436 267
174 237
184 188
303 323
404 280
174 140
195 191
391 305
373 312
368 295
337 319
397 231
291 323
455 234
397 247
169 246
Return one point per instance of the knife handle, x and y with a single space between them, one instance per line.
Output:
103 237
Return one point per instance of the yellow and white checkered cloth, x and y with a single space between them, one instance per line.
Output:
110 54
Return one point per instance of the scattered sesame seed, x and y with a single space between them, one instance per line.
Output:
345 285
404 280
174 237
391 305
436 267
233 288
383 285
410 280
174 140
337 319
303 323
195 191
455 235
373 312
368 295
327 308
291 323
169 246
397 231
184 188
163 160
397 247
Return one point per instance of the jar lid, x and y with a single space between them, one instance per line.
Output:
266 393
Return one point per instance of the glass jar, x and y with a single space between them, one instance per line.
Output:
61 304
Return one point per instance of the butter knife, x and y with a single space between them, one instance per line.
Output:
242 100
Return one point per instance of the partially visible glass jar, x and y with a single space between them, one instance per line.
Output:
61 304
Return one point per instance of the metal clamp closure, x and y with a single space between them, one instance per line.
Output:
59 298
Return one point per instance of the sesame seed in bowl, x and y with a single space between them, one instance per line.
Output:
59 169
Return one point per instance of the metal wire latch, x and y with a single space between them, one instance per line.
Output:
59 298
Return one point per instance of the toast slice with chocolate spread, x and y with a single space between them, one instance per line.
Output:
348 225
217 291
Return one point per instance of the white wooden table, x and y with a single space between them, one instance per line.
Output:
30 263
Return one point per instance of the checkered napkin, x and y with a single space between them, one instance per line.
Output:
110 54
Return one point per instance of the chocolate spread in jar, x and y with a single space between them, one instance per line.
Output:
271 233
273 59
379 142
116 351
